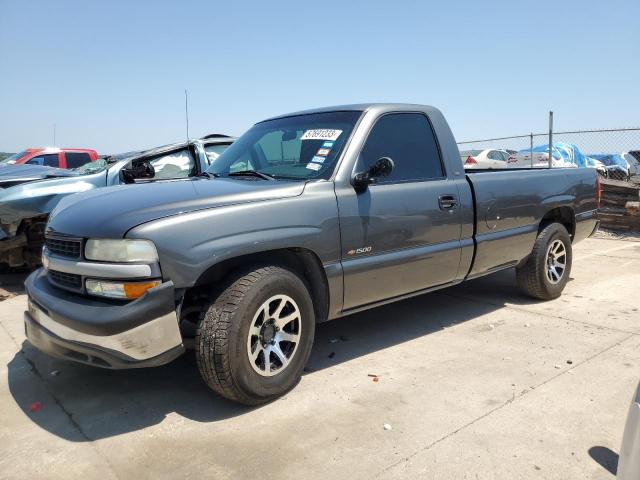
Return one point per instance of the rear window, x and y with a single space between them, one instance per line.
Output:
48 160
77 159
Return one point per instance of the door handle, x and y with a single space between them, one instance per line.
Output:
447 202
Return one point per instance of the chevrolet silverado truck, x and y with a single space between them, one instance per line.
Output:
307 217
28 193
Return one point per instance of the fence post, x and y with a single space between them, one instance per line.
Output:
531 150
550 139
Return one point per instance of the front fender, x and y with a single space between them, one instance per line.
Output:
189 244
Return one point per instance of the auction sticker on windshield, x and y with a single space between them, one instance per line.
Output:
321 134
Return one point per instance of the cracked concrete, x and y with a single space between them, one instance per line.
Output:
476 381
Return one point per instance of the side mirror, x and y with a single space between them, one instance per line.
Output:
139 170
382 168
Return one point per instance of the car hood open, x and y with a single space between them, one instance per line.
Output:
111 212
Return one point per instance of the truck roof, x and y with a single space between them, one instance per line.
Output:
360 107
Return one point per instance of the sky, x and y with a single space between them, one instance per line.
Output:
111 75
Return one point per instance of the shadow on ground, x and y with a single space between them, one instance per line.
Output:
607 458
12 283
103 403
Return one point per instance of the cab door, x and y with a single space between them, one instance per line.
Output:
401 234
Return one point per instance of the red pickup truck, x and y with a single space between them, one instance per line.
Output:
53 157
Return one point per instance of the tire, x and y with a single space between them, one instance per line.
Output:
224 344
535 277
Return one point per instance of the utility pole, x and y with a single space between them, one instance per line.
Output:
54 134
531 150
186 111
550 139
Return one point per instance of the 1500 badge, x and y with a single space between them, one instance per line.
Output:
359 251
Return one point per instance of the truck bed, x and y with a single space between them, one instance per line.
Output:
509 206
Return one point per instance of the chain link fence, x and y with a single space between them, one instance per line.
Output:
614 152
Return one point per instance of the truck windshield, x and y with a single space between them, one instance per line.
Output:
301 147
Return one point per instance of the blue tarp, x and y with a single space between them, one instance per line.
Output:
610 159
564 151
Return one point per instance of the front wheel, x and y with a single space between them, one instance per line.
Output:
546 272
255 338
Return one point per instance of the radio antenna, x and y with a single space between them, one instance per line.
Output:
186 110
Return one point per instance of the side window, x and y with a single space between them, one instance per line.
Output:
76 159
177 164
408 139
494 155
48 160
214 151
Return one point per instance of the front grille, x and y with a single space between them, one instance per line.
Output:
69 280
64 248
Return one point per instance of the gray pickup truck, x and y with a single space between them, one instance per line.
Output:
307 217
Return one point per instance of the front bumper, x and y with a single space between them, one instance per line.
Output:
102 333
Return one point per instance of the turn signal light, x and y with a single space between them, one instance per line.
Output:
121 290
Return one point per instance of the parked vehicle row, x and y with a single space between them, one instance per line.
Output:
29 193
565 155
305 218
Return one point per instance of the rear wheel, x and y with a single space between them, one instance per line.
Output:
547 269
255 338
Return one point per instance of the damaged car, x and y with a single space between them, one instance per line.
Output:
28 193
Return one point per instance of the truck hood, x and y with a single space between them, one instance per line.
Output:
111 212
11 175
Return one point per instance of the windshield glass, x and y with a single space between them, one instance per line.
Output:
13 158
303 147
92 167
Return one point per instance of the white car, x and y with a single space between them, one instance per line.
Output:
633 159
486 159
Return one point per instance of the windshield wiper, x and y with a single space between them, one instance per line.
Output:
209 175
251 173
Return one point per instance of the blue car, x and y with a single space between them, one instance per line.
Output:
615 164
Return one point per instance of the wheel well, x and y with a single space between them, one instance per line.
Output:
562 215
303 262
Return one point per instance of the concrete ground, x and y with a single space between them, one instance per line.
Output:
476 382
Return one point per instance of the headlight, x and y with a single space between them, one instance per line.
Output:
105 250
121 290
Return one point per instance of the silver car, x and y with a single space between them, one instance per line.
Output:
629 462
